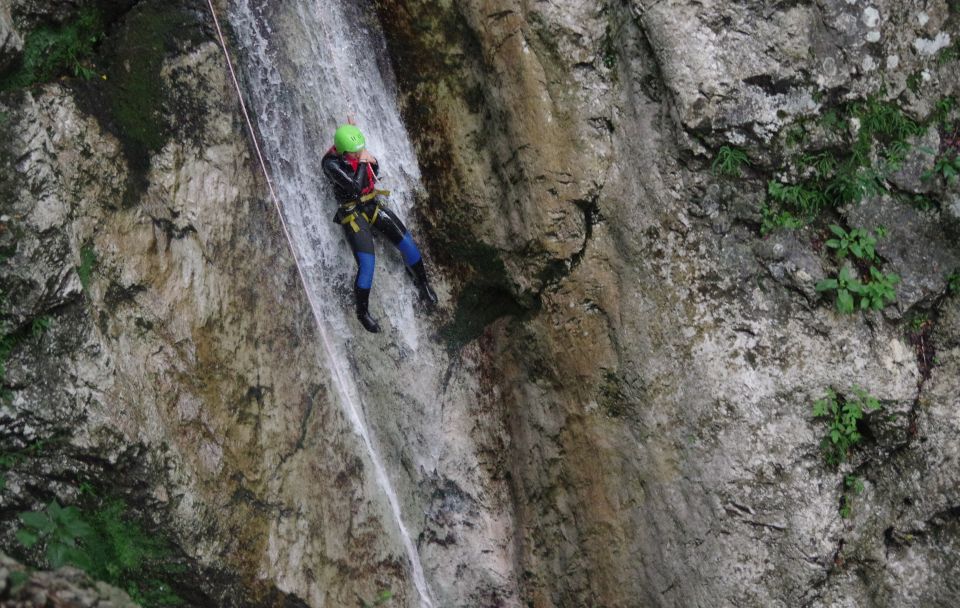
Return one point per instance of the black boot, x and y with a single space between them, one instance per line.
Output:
363 313
427 294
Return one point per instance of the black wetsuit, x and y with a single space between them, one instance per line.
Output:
349 183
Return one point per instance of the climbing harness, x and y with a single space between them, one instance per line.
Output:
350 210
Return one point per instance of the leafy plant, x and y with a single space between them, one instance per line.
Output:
914 81
40 325
879 118
953 282
846 285
842 415
88 258
805 201
858 241
382 598
729 161
52 52
853 485
58 529
105 545
772 220
946 166
879 291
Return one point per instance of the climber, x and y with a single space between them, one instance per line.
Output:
353 172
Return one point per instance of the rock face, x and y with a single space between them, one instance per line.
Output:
68 587
659 392
618 408
162 347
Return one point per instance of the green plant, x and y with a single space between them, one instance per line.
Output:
59 529
859 242
879 291
946 166
40 325
914 81
953 282
883 119
948 54
51 52
382 598
822 163
106 545
853 486
842 415
772 220
804 201
846 285
729 161
88 258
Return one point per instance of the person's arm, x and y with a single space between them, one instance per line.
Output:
352 184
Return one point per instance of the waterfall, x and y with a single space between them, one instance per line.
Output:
300 93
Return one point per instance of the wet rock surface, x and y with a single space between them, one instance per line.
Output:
623 405
660 389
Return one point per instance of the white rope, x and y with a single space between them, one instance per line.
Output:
419 581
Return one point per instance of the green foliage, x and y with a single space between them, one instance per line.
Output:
953 282
948 54
40 325
859 242
729 161
842 414
881 119
88 259
105 544
852 294
852 485
943 109
59 529
805 201
846 285
52 52
947 166
772 220
382 598
914 81
879 291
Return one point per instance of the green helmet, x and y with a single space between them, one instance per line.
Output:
348 138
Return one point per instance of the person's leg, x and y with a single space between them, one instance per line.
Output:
360 239
390 226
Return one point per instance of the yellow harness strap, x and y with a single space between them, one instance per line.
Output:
351 205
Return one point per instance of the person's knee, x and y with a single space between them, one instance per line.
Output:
411 255
365 265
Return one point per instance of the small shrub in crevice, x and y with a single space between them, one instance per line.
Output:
729 161
50 52
842 414
852 294
947 166
859 242
953 282
106 545
88 259
852 486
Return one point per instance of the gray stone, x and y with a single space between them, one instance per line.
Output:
11 44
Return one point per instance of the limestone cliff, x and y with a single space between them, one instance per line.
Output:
659 389
632 203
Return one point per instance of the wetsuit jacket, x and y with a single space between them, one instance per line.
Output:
347 183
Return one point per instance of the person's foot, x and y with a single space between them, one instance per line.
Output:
427 294
363 311
369 323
